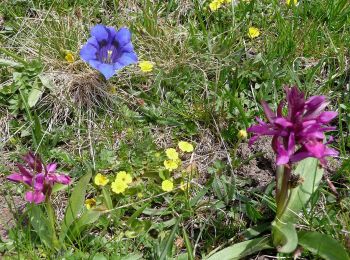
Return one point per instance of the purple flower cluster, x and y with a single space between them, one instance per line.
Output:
38 177
108 50
300 133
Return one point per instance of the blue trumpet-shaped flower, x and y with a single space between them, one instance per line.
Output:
108 50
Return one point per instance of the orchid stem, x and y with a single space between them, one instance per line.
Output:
282 188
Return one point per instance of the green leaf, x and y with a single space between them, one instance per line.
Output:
107 198
88 217
322 245
9 63
169 242
41 226
75 205
190 255
284 236
99 256
243 249
310 173
34 95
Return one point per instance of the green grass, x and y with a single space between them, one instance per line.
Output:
208 79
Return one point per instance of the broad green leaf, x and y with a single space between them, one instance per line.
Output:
322 245
310 173
99 256
284 236
243 249
41 226
107 198
88 217
9 63
75 205
132 257
34 95
45 81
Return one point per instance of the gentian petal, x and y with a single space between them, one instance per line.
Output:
88 52
15 177
127 58
99 32
34 196
107 70
127 47
123 36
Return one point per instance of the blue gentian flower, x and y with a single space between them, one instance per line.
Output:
108 50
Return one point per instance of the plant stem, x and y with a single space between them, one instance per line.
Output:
282 187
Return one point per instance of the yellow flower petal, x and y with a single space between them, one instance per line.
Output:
69 57
167 185
118 186
171 165
89 203
288 2
215 5
146 66
185 146
100 180
253 32
124 177
242 134
172 154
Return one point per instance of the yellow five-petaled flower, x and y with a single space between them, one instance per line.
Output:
124 177
69 57
242 134
253 32
171 165
119 186
146 66
167 185
100 180
185 146
172 154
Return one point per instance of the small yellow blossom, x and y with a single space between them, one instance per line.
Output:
167 185
118 186
146 66
172 154
253 32
288 2
89 203
184 185
100 180
185 146
242 134
139 195
112 90
215 5
124 177
171 165
69 57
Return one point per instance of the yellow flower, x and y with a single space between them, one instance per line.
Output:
242 134
89 203
172 154
100 180
184 185
139 195
112 90
185 146
253 32
69 57
171 164
124 177
118 186
146 66
215 5
288 2
167 185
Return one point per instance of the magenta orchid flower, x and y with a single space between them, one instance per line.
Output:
300 133
38 177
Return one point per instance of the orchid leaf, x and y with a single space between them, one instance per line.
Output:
243 249
284 236
322 245
75 205
310 175
41 226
